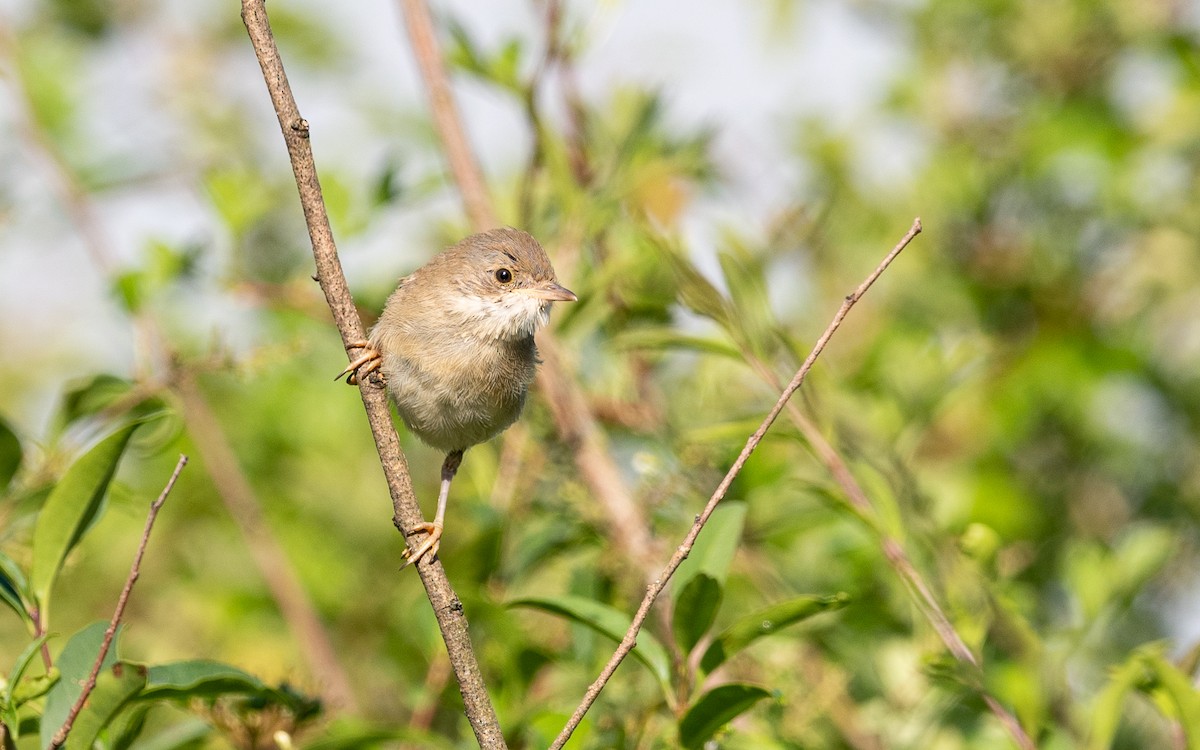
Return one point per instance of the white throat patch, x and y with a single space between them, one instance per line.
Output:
512 315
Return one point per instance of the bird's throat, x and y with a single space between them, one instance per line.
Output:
506 317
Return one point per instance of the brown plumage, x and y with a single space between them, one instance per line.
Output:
455 342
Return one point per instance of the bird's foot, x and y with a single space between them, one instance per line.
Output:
428 547
367 363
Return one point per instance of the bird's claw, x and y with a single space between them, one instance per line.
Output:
428 547
369 362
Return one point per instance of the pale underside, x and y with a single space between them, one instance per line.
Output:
461 379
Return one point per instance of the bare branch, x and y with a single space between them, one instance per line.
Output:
35 615
681 553
134 571
407 513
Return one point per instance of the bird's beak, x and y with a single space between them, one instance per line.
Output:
551 292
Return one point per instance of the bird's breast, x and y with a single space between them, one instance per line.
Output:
455 391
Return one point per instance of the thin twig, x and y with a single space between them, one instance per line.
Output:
572 418
134 571
681 553
406 512
39 630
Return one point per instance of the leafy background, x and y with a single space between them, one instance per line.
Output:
1017 396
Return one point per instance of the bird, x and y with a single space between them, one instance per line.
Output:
455 344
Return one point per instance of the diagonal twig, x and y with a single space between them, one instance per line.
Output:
681 553
134 571
446 605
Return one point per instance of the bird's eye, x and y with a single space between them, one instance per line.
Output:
504 275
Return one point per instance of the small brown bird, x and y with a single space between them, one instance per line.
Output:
455 342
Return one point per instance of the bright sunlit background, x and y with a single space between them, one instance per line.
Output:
1018 395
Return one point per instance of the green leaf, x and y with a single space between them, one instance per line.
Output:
607 621
506 69
715 546
1146 671
544 726
1141 552
188 734
10 455
90 18
747 630
715 709
24 659
199 678
73 505
1175 696
131 289
35 687
126 728
696 607
16 692
115 688
86 397
462 52
389 184
13 587
74 665
204 680
745 277
700 578
47 64
695 291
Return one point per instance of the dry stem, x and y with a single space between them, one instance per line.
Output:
681 553
134 571
407 514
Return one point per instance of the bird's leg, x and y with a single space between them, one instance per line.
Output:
369 362
434 540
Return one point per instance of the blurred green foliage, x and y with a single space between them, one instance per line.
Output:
1017 396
